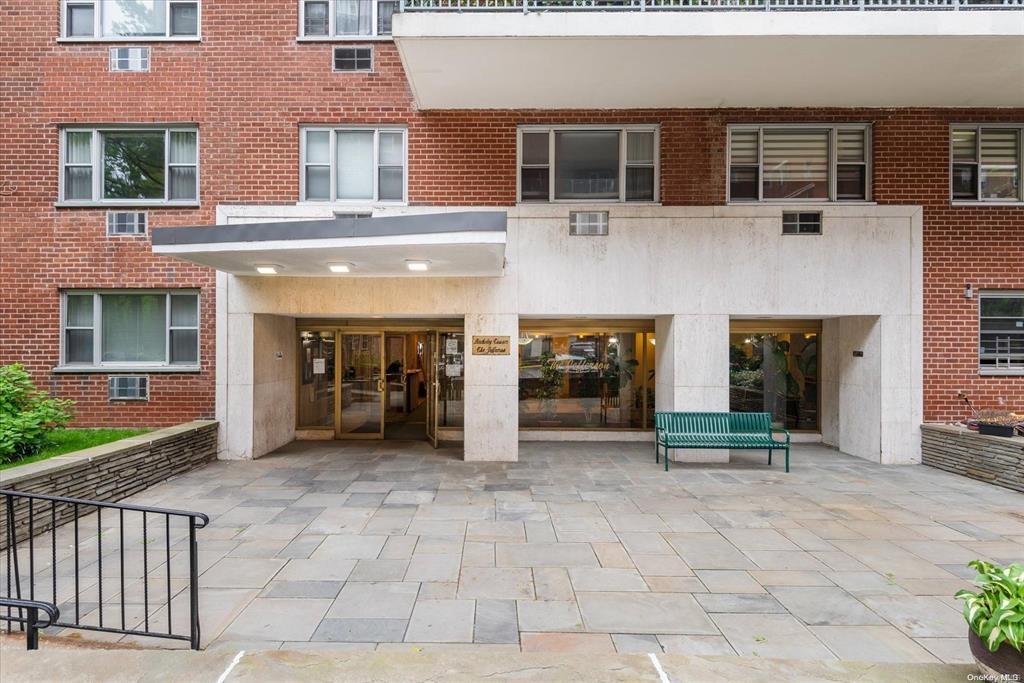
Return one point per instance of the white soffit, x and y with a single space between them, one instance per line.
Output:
630 59
458 244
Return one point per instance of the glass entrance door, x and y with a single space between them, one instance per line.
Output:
362 380
430 361
316 395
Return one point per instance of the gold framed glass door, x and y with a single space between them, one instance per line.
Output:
361 381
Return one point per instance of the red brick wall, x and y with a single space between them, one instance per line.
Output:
249 86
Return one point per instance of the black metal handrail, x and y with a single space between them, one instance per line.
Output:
30 621
32 514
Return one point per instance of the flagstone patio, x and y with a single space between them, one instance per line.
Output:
589 548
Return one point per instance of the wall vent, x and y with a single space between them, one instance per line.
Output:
128 388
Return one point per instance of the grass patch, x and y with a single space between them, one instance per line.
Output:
69 440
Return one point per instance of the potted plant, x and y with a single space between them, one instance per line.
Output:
550 390
998 422
995 616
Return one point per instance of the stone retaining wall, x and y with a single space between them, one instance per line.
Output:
991 459
106 473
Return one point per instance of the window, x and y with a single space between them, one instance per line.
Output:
130 166
985 163
126 223
799 163
1001 331
131 328
129 59
801 223
774 368
131 19
353 164
589 223
588 164
353 59
346 18
127 388
573 378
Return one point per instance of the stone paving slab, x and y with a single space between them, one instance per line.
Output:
585 548
580 657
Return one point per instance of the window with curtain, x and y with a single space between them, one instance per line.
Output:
588 164
346 18
130 166
367 164
797 163
135 328
146 19
985 163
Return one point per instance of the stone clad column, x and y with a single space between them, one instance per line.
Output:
491 423
692 371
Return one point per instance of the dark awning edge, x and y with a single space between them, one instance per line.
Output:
377 226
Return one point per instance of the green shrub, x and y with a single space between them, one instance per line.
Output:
996 614
27 415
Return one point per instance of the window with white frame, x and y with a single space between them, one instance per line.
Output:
985 163
799 163
353 164
1001 332
130 165
130 19
148 328
327 19
604 164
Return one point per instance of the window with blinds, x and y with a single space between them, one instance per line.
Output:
798 163
1001 332
985 163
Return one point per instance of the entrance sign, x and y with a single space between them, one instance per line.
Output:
319 366
490 346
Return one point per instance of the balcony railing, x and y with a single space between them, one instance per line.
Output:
701 5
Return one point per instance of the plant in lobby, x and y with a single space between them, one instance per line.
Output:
995 615
27 415
550 385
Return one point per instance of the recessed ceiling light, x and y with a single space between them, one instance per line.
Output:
418 265
267 269
340 267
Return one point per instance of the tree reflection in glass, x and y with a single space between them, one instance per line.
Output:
133 165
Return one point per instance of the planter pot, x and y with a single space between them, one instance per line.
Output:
1005 661
995 430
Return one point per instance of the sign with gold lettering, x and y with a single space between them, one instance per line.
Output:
490 346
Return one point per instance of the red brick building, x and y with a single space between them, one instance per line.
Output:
229 93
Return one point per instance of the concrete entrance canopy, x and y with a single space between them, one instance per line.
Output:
459 244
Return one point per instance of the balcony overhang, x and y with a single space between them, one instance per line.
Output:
452 244
679 59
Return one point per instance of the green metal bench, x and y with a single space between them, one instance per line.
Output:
716 430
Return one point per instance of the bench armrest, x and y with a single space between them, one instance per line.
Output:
779 430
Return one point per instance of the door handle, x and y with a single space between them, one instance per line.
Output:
380 385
